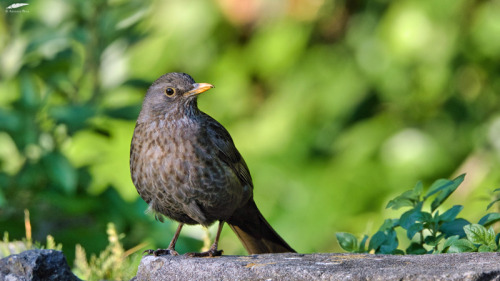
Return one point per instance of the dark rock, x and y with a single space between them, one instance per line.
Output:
468 266
36 265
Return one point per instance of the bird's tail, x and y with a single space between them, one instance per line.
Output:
255 233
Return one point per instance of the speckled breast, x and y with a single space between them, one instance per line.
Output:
175 169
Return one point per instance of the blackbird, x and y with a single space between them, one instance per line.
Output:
185 165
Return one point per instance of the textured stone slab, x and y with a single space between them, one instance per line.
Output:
469 266
36 265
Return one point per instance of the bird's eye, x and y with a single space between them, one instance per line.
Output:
169 91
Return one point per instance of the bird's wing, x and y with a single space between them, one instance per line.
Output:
221 139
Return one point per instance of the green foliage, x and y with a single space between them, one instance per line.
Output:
429 232
8 247
113 263
58 92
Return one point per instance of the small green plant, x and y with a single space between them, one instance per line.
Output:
113 263
8 247
428 230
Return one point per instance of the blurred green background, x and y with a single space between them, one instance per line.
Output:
337 106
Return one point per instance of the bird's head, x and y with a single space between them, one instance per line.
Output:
173 91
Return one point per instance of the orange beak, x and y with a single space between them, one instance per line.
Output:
198 89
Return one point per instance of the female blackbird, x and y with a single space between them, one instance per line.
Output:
185 166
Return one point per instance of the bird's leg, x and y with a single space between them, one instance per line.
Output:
212 252
171 247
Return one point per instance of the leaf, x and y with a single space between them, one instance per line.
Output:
454 227
362 245
30 98
449 242
485 249
437 186
414 229
407 199
347 242
126 112
445 191
492 203
389 224
411 216
478 234
377 240
10 120
460 246
138 83
450 214
390 243
398 252
401 201
416 249
489 219
74 116
433 240
60 171
384 242
418 188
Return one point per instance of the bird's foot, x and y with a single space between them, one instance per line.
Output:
210 254
161 252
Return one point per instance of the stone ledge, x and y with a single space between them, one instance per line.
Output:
36 265
467 266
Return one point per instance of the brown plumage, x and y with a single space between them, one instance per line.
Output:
185 166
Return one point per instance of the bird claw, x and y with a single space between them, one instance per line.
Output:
210 253
161 252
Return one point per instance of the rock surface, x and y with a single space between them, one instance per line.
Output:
36 265
468 266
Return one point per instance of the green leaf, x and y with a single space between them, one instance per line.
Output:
61 172
30 95
433 240
10 120
384 242
390 243
454 227
492 203
460 246
450 214
418 188
398 252
74 116
478 234
445 190
377 240
414 229
413 216
489 219
449 242
407 199
347 242
362 245
416 249
401 201
389 224
485 249
127 112
437 186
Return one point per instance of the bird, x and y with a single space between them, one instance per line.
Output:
185 166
